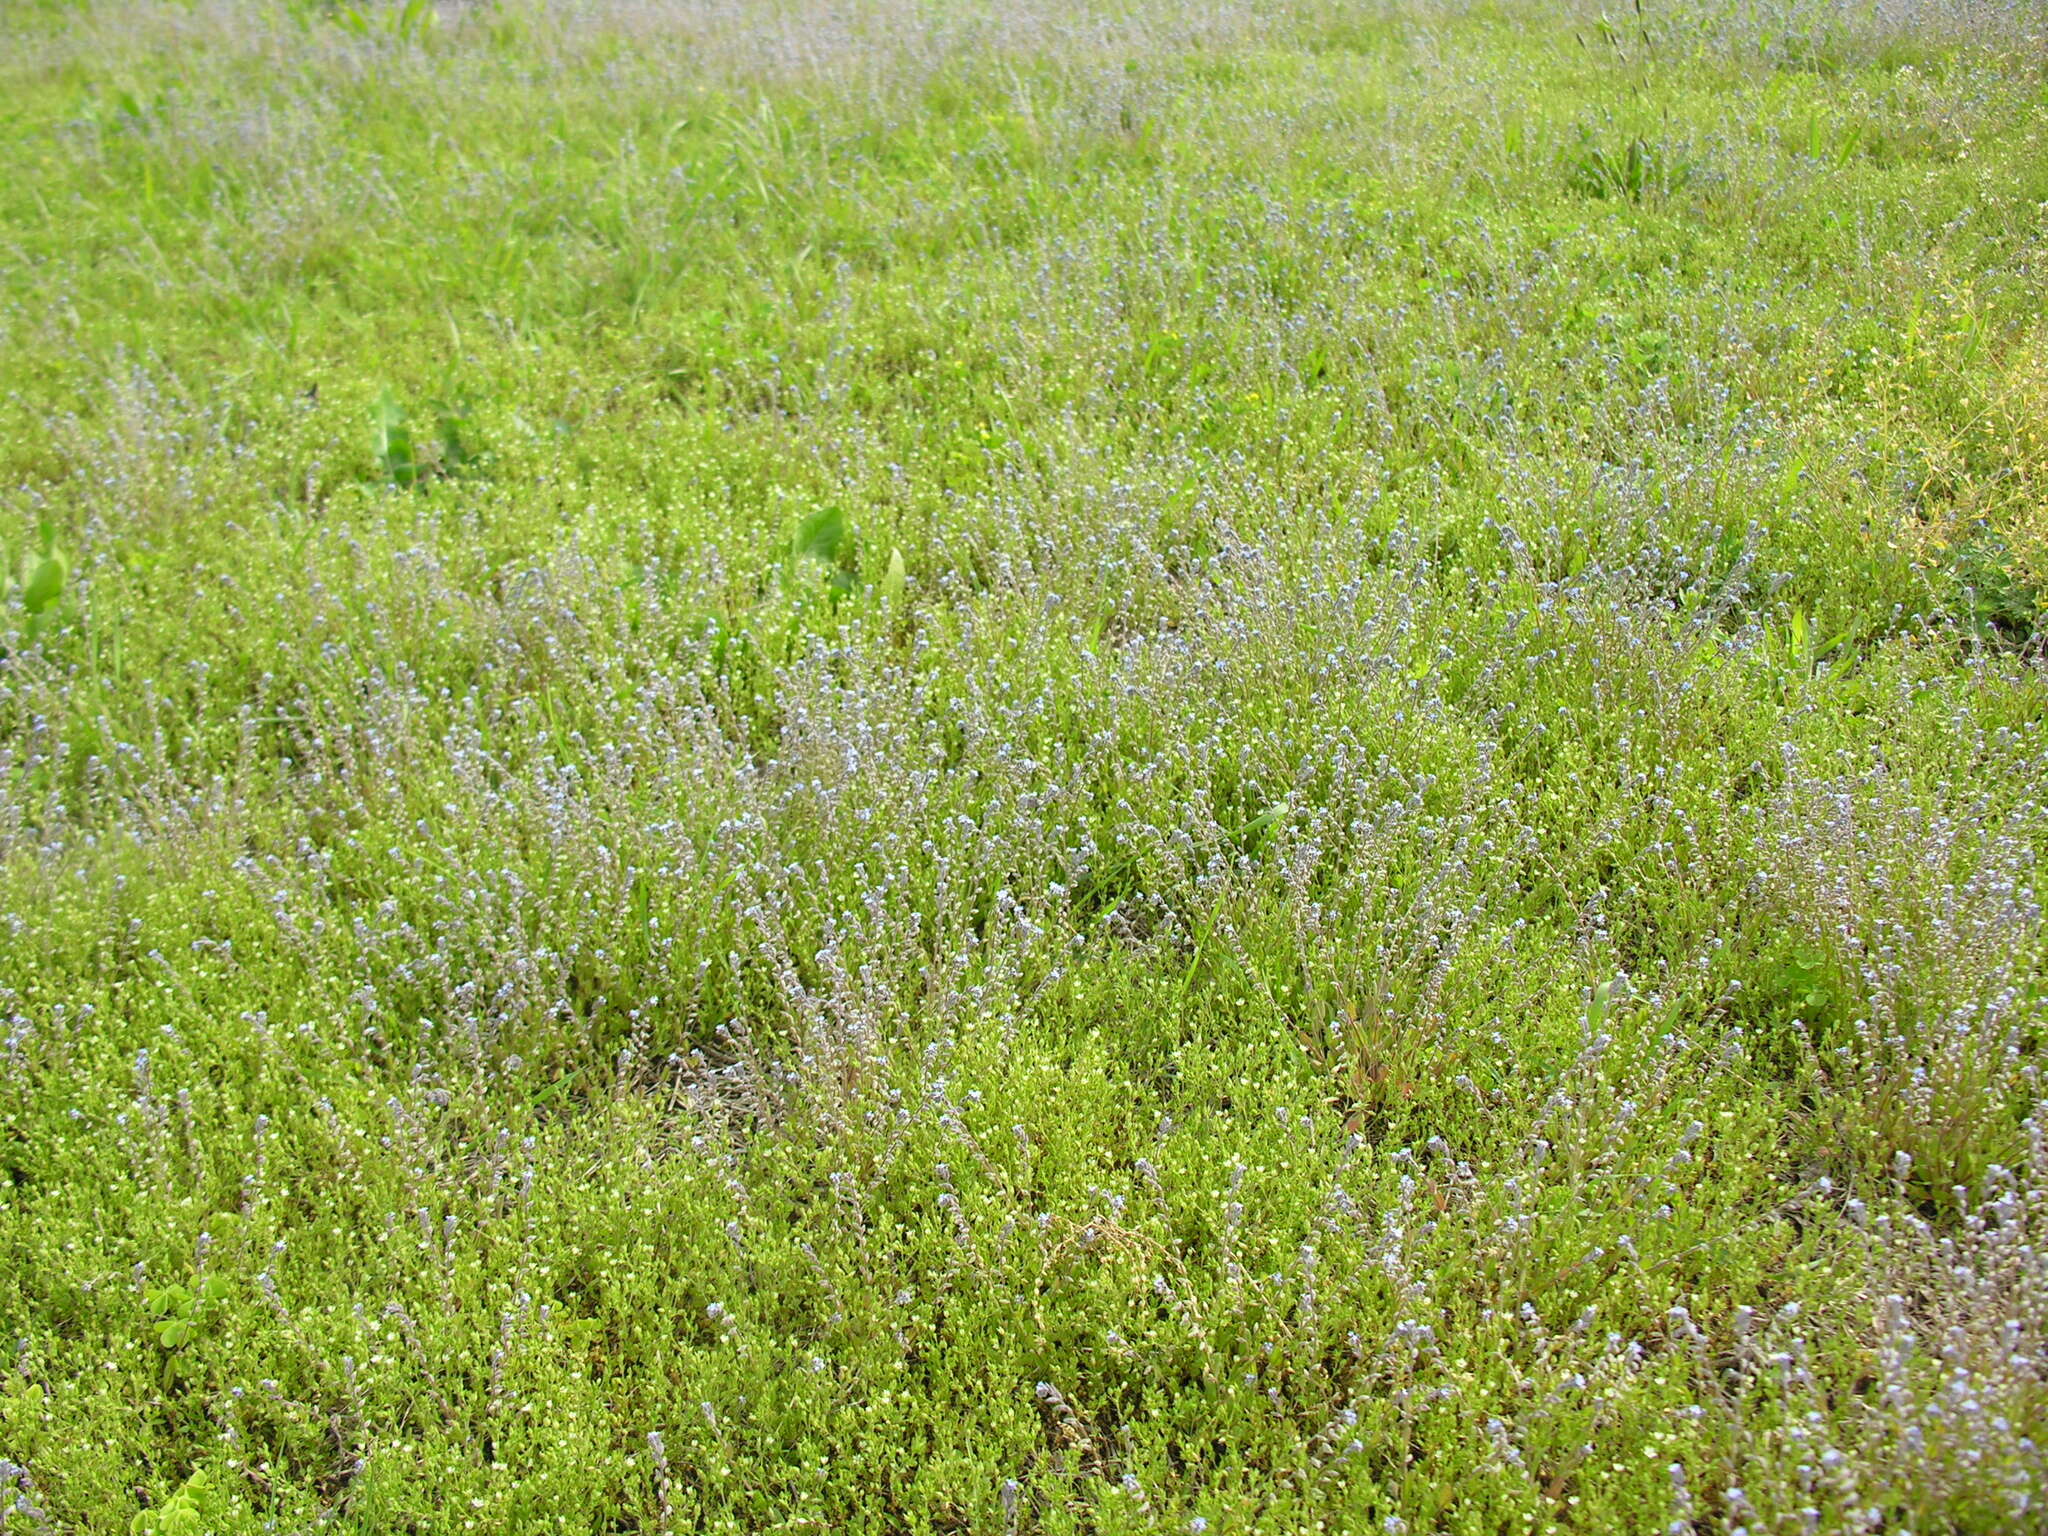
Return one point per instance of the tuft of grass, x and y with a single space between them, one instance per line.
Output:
1634 171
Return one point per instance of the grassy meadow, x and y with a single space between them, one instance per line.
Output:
1022 766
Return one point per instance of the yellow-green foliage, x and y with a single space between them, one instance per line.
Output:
1022 767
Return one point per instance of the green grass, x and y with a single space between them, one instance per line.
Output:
932 768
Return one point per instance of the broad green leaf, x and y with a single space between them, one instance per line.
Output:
168 1300
822 535
45 583
393 440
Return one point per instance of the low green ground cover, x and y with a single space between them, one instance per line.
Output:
1255 767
